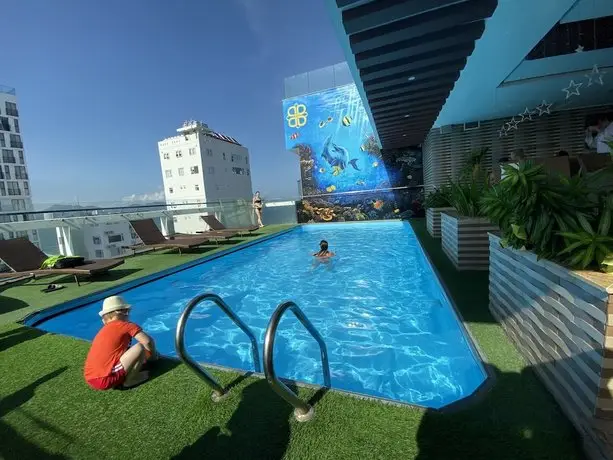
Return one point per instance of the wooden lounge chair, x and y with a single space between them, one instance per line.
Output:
24 258
215 225
152 237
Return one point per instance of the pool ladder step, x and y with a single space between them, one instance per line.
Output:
302 410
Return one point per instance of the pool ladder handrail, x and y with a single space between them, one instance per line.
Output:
302 410
218 390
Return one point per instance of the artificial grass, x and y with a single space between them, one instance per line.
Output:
17 300
47 410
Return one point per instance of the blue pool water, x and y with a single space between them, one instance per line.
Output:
389 327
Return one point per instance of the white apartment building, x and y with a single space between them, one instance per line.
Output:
199 165
15 192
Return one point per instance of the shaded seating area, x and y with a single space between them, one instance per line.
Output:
24 258
152 237
216 226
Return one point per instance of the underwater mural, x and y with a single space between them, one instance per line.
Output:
345 174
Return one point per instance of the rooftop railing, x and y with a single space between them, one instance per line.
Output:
7 90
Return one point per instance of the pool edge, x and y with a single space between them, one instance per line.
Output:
34 318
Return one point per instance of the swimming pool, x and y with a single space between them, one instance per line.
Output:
388 325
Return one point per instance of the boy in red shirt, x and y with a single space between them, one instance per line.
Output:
111 362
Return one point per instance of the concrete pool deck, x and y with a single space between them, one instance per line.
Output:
46 409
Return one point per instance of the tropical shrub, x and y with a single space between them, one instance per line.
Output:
565 220
439 198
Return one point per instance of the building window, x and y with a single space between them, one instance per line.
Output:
236 158
168 173
20 157
97 240
194 170
2 141
7 172
238 171
26 188
21 173
170 190
248 173
16 141
16 124
223 155
246 160
211 170
18 205
13 188
4 124
7 156
99 254
192 151
209 152
197 187
116 238
181 171
178 154
11 109
2 189
166 156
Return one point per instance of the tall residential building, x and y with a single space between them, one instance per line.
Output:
14 183
200 165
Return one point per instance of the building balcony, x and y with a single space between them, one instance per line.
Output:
7 90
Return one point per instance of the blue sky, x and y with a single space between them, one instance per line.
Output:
99 83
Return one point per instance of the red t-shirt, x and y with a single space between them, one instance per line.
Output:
110 343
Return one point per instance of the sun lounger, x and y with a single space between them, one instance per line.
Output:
152 237
24 258
215 225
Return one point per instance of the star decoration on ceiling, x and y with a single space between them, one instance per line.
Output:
595 76
526 115
579 49
543 108
512 124
572 89
502 131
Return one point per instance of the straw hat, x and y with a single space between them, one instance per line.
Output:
112 304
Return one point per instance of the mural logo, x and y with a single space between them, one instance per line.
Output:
297 116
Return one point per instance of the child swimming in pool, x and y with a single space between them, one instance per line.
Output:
111 362
323 253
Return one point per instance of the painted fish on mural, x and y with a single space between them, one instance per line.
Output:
375 164
347 121
360 182
323 123
294 136
337 157
378 204
322 170
331 188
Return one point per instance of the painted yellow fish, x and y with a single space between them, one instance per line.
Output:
346 120
396 211
331 188
336 170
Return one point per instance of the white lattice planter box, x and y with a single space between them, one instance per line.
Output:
465 240
561 321
433 221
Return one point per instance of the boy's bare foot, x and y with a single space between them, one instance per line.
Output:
137 379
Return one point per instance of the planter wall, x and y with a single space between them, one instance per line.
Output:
465 240
562 323
433 221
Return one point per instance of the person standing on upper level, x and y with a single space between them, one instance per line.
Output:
598 132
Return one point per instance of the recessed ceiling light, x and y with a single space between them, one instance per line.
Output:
407 116
404 135
412 77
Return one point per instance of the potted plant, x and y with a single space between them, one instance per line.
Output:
436 202
546 283
464 229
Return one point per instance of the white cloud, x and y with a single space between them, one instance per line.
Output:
153 196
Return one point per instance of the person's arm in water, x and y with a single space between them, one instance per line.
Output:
148 343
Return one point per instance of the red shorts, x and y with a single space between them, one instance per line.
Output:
114 379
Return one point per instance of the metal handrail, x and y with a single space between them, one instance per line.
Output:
218 390
302 410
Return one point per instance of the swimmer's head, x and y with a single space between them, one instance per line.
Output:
323 245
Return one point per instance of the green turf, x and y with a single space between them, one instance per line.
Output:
46 408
